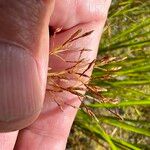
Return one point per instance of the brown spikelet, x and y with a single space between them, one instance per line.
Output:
73 36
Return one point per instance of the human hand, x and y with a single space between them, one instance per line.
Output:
24 55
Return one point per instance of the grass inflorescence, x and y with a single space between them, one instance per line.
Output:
117 95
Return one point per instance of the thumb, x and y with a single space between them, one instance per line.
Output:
24 48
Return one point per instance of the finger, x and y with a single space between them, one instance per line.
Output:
7 140
23 60
78 12
52 128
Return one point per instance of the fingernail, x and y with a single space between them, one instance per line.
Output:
20 92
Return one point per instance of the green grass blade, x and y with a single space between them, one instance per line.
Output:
122 104
125 126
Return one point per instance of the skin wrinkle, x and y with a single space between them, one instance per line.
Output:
16 44
23 48
18 119
43 133
28 51
94 10
66 118
4 81
24 29
59 140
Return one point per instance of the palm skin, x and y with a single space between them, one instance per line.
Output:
51 129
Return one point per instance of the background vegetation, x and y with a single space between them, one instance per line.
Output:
122 74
